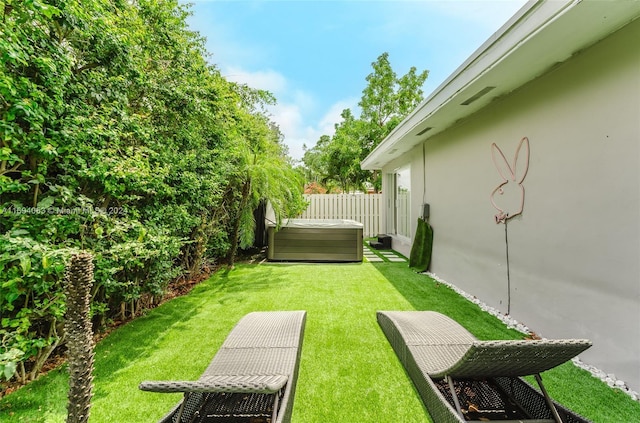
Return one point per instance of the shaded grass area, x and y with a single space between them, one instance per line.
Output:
348 371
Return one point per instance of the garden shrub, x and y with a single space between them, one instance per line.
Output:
117 137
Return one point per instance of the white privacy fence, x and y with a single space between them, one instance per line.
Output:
363 208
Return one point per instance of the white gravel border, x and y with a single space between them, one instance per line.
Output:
609 379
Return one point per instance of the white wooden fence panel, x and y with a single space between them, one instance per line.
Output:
364 208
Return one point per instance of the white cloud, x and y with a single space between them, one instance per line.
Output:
294 110
268 80
288 117
332 116
291 119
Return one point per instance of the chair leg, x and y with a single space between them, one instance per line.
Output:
456 402
276 400
550 403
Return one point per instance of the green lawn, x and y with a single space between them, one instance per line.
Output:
348 371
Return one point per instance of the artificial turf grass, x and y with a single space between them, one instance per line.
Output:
333 342
40 401
348 371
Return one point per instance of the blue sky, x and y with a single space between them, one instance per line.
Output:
314 55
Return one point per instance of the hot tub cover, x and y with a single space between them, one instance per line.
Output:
318 223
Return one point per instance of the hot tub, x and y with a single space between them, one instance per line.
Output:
315 240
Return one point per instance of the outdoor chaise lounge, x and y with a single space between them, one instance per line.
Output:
463 379
251 379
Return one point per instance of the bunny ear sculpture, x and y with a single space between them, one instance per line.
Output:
510 189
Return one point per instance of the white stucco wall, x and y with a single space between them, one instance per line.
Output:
574 253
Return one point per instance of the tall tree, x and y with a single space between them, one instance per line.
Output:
343 153
314 167
385 101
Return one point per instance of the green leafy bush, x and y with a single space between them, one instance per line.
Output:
118 137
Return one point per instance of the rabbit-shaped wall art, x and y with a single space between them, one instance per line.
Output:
510 190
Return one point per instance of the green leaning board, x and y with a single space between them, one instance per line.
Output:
422 246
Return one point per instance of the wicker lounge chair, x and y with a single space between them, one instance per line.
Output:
463 379
251 379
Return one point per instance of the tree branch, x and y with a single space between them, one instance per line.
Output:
86 67
4 170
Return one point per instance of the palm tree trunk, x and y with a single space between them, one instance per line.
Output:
78 282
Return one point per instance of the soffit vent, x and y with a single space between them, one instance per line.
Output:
479 94
428 128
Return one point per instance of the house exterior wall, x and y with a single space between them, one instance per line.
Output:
574 253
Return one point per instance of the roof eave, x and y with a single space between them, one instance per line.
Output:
546 30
